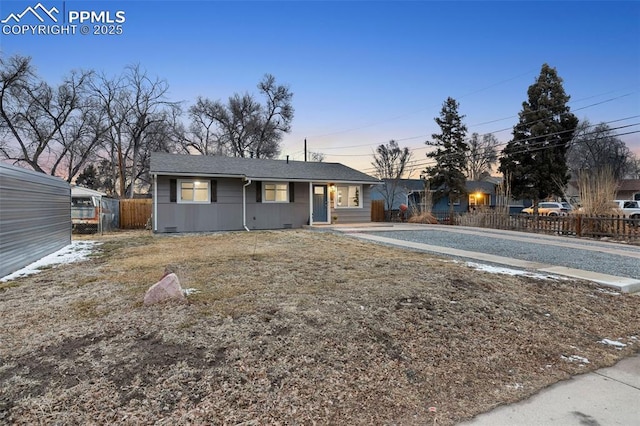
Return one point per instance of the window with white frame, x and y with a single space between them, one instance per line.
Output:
274 192
193 191
348 196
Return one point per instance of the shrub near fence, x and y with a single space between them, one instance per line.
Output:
135 213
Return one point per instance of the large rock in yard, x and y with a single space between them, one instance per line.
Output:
166 289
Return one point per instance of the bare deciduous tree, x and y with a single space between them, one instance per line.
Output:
137 111
482 155
15 73
203 133
243 127
595 148
317 157
52 130
390 163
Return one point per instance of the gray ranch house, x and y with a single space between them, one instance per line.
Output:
195 193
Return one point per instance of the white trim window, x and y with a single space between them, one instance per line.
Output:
348 196
275 192
193 191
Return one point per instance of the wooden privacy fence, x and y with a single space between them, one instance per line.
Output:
377 211
134 214
617 227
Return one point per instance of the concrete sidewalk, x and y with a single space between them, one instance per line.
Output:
609 396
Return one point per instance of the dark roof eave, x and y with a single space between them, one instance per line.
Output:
194 174
263 178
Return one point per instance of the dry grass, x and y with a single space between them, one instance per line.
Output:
291 327
597 190
425 217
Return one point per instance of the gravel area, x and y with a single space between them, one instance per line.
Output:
535 250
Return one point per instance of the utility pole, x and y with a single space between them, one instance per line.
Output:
305 150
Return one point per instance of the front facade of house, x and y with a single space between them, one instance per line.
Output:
213 193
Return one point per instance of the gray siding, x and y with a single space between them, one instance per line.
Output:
278 215
223 215
35 217
354 215
226 213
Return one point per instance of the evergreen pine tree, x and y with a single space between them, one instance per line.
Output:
535 158
88 178
447 176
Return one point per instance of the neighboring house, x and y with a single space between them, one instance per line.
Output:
480 194
411 192
628 189
194 193
406 192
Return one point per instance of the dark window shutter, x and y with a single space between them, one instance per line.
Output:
173 190
291 192
214 191
258 192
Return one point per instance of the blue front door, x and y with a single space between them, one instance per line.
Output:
319 203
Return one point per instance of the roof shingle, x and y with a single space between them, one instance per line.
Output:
255 168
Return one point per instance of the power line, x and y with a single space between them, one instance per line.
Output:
488 122
502 143
426 163
420 110
533 147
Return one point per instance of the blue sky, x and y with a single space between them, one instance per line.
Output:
366 72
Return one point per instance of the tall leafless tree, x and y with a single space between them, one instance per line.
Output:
390 163
136 107
203 135
317 157
482 156
51 129
595 148
243 126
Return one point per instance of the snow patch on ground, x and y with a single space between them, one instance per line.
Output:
190 291
613 343
508 271
612 293
573 358
516 386
74 252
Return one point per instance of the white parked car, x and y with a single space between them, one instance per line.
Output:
548 208
629 208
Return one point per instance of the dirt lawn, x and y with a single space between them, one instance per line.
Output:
292 327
